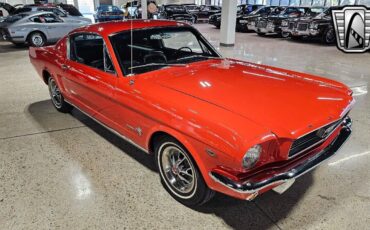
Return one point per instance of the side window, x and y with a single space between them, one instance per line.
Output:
36 19
90 50
50 18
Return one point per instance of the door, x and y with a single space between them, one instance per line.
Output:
90 77
55 27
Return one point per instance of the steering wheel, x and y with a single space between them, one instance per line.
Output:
182 48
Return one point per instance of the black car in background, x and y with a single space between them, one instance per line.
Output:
242 10
203 12
191 8
245 12
248 22
272 22
70 9
315 26
176 12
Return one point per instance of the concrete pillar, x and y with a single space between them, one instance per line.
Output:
144 9
228 22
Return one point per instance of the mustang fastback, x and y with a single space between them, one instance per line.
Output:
211 123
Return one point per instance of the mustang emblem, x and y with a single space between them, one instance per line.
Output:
351 25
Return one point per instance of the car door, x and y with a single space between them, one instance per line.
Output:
55 27
90 76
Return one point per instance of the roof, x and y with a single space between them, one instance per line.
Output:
107 28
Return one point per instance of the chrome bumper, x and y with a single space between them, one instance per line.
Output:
251 27
297 171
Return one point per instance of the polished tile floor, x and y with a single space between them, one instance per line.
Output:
63 171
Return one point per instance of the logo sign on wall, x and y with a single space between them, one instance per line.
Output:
352 27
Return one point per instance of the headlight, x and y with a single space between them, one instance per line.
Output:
284 23
314 25
270 24
251 156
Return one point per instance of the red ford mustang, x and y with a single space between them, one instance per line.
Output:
213 124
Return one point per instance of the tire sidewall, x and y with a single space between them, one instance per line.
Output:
64 106
197 195
164 178
30 40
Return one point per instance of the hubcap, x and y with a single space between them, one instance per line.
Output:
37 40
330 36
178 169
56 96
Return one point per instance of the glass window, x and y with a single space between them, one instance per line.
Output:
90 50
306 2
318 2
284 2
50 18
275 2
364 2
15 18
295 2
347 2
152 49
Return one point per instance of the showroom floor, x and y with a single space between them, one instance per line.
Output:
62 171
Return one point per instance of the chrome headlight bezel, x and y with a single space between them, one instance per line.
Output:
314 25
284 23
252 156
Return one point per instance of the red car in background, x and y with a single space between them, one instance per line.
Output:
213 124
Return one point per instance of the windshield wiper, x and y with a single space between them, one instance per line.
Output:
157 64
200 56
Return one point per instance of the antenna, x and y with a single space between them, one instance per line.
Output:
131 50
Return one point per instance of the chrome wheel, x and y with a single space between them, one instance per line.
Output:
178 170
37 40
56 96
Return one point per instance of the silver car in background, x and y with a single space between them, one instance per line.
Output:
37 29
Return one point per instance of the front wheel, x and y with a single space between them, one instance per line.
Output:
57 98
37 39
179 173
328 36
261 34
285 34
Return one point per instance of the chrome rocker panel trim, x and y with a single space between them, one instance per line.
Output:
301 169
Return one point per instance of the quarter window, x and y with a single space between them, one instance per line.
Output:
90 50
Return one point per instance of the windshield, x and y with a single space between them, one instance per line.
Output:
176 8
312 12
15 18
108 8
156 48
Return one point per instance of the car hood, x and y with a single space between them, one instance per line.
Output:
287 103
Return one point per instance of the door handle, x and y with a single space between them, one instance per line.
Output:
65 67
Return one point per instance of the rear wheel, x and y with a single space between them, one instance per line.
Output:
57 98
179 173
328 36
37 39
285 34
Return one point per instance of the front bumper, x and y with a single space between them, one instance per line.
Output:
269 29
251 26
254 187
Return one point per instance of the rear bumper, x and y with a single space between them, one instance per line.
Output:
251 188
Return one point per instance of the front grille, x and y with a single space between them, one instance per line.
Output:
291 25
312 139
302 26
261 24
